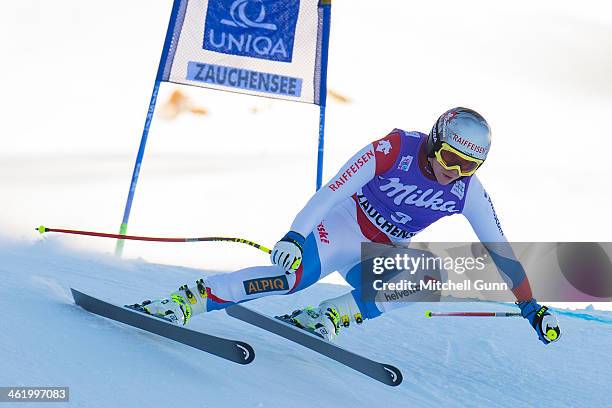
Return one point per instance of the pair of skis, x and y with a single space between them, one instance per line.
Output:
238 351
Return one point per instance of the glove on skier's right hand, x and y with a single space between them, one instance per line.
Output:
544 323
287 252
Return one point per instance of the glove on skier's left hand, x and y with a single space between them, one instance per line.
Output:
544 323
287 252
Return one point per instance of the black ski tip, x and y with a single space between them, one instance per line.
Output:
76 295
248 354
394 375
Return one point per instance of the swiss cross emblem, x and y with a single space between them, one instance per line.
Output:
384 146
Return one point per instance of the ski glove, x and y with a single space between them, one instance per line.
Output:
287 252
544 323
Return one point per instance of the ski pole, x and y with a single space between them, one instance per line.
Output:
43 229
429 313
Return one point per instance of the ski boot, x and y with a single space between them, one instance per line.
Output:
323 323
325 320
346 307
181 305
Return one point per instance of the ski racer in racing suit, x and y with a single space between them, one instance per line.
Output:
389 191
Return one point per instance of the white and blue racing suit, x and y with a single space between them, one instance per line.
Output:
384 193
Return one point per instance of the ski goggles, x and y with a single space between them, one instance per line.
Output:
452 159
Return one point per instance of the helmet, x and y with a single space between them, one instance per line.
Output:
463 129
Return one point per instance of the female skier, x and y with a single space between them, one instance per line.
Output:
387 192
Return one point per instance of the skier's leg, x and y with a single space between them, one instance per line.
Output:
224 289
333 244
352 307
363 302
331 314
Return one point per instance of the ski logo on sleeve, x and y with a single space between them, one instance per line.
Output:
323 235
499 228
405 163
384 146
267 284
458 189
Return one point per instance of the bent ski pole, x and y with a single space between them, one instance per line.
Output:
43 229
429 313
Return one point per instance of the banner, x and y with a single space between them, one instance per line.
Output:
272 48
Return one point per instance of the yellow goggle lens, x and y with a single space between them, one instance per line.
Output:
452 159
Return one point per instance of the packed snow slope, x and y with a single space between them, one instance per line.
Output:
46 340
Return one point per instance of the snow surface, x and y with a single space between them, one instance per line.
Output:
46 340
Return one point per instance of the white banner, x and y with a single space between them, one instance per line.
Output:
269 48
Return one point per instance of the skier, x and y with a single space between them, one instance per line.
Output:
387 192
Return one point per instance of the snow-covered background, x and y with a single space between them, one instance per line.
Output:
75 82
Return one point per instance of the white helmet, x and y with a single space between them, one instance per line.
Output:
463 129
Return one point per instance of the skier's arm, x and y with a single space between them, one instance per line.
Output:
375 158
480 213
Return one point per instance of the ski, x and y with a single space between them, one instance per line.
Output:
384 373
232 350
